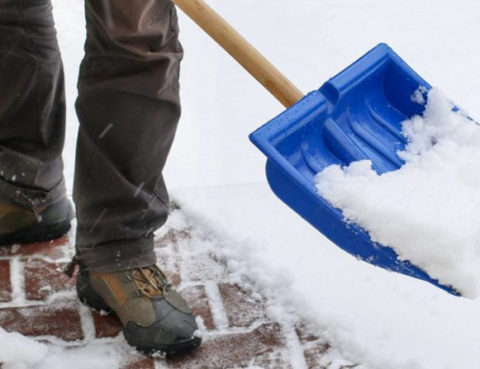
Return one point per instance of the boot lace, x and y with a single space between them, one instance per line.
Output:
151 281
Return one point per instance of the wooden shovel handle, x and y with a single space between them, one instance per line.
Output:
241 50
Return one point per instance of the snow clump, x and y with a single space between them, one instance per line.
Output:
427 211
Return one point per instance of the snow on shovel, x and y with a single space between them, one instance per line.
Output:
356 130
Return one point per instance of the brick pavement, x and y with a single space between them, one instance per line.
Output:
37 300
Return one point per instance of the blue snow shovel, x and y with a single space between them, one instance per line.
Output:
356 115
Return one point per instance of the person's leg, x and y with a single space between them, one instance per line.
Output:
128 107
32 121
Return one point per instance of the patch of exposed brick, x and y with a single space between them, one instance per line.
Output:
5 286
43 279
241 308
262 347
314 353
48 320
277 359
106 325
173 236
305 333
167 262
53 249
233 350
198 300
143 363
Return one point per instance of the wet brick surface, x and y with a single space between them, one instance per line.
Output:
237 329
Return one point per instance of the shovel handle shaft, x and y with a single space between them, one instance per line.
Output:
241 50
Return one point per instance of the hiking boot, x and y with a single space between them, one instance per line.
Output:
155 318
44 223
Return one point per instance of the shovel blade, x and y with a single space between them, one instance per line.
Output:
356 115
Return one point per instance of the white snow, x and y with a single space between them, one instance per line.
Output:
19 352
381 319
14 346
428 209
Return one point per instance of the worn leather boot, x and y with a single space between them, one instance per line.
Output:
43 223
155 318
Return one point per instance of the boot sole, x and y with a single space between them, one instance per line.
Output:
172 350
96 303
38 233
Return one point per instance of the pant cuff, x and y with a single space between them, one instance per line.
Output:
31 198
117 256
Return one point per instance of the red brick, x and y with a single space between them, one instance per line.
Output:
54 249
5 286
234 350
314 347
173 236
314 353
276 359
305 333
241 308
142 363
167 262
106 325
43 279
47 320
198 300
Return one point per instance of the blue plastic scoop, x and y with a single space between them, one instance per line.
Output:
356 115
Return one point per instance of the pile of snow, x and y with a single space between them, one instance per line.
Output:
428 209
20 352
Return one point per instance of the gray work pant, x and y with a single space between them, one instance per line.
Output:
128 107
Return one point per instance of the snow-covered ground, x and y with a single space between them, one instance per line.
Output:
381 319
384 320
20 352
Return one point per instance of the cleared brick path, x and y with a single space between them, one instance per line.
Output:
37 299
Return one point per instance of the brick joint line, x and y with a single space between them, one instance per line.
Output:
216 305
